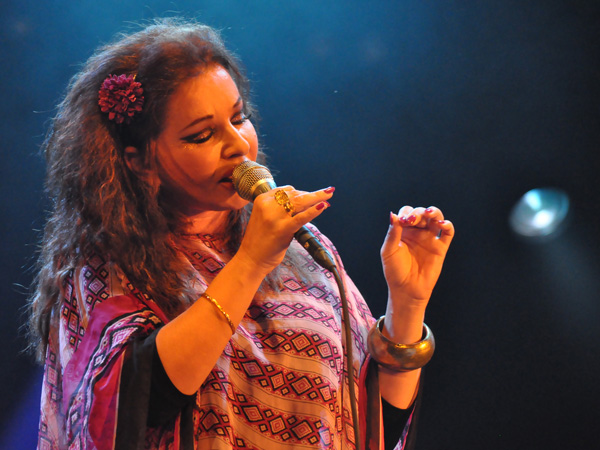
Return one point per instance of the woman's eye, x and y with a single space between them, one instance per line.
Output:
200 137
240 118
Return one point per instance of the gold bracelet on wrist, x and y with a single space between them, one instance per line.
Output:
400 357
220 308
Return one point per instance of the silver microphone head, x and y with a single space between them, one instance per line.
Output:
251 179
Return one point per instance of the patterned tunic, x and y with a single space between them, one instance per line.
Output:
280 383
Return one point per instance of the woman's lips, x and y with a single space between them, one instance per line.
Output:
227 183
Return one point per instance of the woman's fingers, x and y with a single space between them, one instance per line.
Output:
303 201
446 231
309 205
310 213
295 202
419 217
430 218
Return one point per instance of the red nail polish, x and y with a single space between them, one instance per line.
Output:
403 220
321 205
441 222
329 190
429 210
412 219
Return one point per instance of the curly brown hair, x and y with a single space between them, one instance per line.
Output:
98 205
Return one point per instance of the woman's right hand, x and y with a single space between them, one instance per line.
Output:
271 228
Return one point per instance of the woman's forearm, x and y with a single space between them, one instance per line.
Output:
190 345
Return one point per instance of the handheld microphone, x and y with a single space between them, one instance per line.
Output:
251 179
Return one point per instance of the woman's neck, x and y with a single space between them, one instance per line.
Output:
207 222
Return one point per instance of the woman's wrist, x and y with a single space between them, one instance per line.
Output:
400 356
404 320
249 266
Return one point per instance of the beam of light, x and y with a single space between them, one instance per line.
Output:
540 213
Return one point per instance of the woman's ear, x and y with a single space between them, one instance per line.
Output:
135 163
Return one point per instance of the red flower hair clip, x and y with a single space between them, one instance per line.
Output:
121 97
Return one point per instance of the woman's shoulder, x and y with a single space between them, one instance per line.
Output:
96 279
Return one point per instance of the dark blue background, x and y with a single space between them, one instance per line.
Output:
461 104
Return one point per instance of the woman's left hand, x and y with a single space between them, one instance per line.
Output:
414 251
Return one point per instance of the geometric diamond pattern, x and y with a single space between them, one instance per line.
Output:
278 425
277 310
297 342
95 283
250 400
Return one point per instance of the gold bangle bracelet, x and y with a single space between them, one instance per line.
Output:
220 308
400 357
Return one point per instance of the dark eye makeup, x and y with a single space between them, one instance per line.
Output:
207 133
240 118
201 137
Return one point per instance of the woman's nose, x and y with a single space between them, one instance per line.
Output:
235 143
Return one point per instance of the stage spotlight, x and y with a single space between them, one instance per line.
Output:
540 213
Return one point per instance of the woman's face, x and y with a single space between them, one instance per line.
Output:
205 136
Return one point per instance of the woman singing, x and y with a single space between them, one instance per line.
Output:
171 314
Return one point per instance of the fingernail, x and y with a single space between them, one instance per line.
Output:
441 222
391 218
321 205
412 219
429 210
403 220
329 190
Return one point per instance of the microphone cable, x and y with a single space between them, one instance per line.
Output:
349 357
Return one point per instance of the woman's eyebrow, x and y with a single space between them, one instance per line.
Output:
209 116
196 121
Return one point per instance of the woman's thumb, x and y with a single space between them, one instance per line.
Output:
393 237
